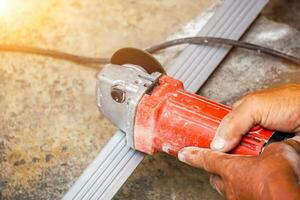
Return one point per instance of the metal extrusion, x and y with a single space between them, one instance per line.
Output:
97 181
197 62
116 161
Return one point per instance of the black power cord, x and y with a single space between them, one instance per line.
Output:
223 41
54 54
211 41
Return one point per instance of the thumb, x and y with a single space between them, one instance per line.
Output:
211 161
217 183
245 114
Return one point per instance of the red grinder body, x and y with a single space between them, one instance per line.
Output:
169 119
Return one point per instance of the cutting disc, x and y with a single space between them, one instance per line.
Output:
138 57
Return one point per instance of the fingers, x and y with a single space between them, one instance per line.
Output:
217 183
275 109
245 114
213 162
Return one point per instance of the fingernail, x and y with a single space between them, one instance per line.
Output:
217 189
212 183
218 144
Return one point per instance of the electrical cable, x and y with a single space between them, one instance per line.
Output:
54 54
224 41
211 41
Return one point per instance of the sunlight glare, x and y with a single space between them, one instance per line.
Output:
5 8
20 15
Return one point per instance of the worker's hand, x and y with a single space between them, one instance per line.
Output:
274 174
275 109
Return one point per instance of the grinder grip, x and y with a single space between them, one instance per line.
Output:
170 118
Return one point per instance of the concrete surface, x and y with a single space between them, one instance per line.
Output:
50 127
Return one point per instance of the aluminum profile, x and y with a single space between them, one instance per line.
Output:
197 62
105 175
116 161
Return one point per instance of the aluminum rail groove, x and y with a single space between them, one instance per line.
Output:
116 161
196 63
97 181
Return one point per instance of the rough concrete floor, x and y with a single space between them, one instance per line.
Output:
50 128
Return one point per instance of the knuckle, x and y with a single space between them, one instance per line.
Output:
252 99
229 133
255 106
228 121
250 103
207 161
223 126
214 161
228 127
